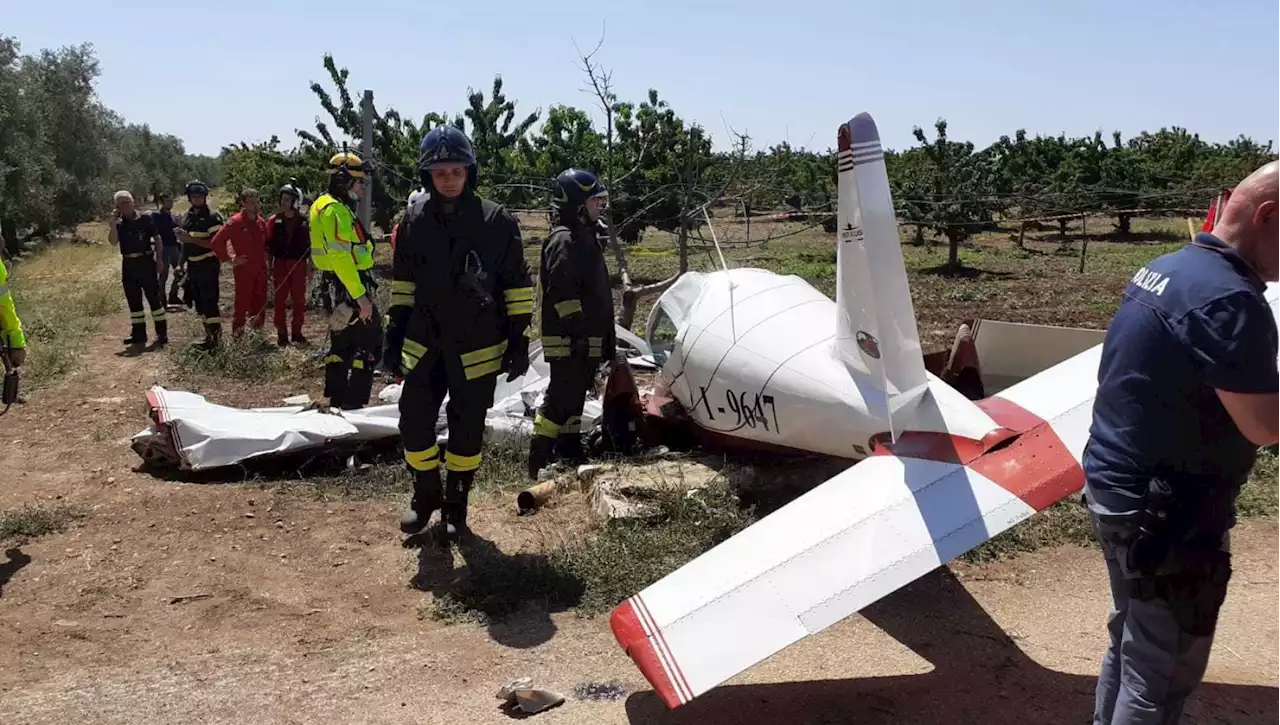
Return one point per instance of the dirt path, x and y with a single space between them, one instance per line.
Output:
175 602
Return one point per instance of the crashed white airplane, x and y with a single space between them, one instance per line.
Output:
767 358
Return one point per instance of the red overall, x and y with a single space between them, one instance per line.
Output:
247 240
289 246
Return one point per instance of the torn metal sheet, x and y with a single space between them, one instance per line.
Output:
192 433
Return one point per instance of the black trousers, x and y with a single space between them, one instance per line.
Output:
140 279
204 276
353 354
561 412
424 389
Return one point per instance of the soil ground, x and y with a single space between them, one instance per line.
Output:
167 601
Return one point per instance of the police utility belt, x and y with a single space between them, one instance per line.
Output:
1174 556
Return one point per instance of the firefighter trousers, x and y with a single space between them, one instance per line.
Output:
560 416
204 276
354 351
425 387
140 279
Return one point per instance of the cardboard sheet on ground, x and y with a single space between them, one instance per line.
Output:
193 433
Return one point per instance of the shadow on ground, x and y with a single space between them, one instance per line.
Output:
513 594
17 558
980 676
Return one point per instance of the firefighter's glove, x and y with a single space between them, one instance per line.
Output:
610 347
516 361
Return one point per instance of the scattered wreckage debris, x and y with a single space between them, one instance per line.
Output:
632 488
521 695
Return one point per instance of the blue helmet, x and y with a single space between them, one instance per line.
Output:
446 144
571 190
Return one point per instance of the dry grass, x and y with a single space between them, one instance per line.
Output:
62 292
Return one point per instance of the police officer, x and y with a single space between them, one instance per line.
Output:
199 226
343 253
140 263
461 304
577 316
1187 392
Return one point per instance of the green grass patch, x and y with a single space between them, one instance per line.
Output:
62 292
595 573
35 520
1260 495
1066 522
252 357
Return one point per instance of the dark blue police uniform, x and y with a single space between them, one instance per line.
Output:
1165 457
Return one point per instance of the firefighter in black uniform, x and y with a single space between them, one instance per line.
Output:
199 225
461 304
577 316
140 249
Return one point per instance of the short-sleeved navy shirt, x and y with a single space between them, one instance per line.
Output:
1189 322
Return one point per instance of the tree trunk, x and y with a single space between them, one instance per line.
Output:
682 243
1123 224
953 254
9 232
1062 228
919 235
1022 234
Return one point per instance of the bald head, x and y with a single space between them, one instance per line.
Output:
1250 221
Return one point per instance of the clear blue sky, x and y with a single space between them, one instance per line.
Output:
216 73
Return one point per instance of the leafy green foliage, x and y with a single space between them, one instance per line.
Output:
62 152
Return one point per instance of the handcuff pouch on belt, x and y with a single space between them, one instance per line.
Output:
1171 558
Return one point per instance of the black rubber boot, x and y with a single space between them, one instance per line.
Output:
569 448
540 454
427 498
138 334
162 332
212 336
453 512
282 340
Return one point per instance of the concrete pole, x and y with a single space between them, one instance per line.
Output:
366 155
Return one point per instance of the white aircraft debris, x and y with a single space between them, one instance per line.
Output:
192 433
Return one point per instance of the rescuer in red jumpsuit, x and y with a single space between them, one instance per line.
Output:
243 242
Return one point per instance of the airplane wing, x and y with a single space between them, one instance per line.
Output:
879 525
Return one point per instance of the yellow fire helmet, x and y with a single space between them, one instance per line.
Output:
346 165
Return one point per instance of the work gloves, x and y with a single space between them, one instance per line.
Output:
516 359
609 348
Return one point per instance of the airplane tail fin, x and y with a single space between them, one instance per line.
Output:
876 334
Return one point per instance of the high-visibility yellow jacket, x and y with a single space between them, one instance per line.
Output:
338 243
10 325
